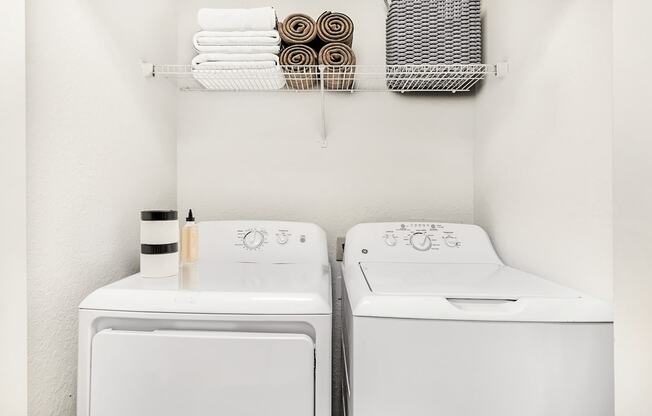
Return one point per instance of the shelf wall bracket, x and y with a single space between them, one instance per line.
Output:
147 69
502 69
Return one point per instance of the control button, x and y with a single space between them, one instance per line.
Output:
390 240
253 239
451 241
420 241
282 239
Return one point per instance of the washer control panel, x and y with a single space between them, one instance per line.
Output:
418 242
421 236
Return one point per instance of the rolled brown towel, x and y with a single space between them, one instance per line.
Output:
294 60
339 61
335 27
297 29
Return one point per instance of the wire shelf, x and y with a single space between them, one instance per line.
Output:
349 78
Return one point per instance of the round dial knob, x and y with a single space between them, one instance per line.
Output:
253 239
451 241
282 239
420 241
390 240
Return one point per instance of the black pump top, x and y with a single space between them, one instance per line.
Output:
190 218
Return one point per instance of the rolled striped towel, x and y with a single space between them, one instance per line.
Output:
335 27
300 67
339 60
298 29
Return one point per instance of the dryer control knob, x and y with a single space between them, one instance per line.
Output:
253 239
420 241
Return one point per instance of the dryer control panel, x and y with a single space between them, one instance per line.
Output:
258 238
425 242
262 242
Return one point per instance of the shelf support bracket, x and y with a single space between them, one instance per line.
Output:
502 69
322 87
147 69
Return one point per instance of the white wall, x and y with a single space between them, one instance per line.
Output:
101 147
633 206
543 145
13 248
256 155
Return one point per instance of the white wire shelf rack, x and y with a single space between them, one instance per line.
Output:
348 78
323 78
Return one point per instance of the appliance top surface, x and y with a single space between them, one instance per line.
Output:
284 269
425 270
223 288
485 281
235 278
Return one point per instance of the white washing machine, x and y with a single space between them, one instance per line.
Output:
436 324
244 332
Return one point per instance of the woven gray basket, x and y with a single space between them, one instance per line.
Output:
433 32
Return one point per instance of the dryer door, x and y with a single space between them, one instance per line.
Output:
201 373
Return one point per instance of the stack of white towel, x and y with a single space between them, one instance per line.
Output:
238 49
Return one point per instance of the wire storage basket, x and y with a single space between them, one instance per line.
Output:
432 32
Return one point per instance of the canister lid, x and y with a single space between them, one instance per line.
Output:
159 215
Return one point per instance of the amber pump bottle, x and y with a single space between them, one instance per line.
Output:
189 240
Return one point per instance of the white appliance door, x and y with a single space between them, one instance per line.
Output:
201 373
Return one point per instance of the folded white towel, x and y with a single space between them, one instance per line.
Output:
238 49
247 38
263 18
234 58
237 42
235 65
271 78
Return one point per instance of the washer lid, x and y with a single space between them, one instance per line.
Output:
465 292
223 288
466 281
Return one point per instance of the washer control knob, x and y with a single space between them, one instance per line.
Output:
451 241
253 239
282 239
420 241
390 240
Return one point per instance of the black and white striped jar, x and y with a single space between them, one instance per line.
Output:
159 243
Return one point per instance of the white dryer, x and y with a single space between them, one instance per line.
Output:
246 331
436 324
